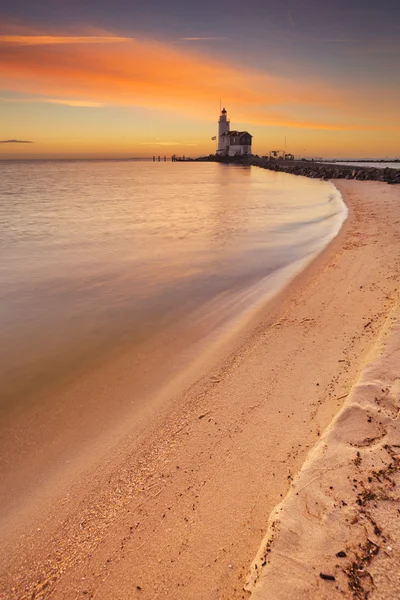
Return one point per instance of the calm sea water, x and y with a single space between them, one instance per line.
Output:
99 258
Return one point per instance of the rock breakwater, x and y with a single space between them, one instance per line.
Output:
315 170
330 171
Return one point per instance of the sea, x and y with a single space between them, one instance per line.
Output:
143 264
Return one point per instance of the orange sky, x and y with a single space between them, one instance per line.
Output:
99 90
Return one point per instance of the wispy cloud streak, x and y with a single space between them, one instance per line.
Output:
62 101
15 142
202 39
46 40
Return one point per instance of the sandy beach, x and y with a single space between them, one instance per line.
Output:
178 508
336 533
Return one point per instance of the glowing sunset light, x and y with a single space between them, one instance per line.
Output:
156 74
143 73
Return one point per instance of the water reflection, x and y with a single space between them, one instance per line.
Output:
103 255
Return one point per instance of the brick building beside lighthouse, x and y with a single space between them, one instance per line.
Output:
232 143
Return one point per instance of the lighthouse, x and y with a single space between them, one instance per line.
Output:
232 143
223 130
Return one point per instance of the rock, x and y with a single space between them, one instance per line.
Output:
323 171
327 577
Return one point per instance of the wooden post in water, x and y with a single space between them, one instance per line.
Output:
154 159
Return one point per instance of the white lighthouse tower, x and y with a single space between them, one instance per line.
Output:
232 143
223 130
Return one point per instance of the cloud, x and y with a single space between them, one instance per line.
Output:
71 102
158 143
201 39
374 47
147 74
15 142
63 101
45 40
150 74
291 19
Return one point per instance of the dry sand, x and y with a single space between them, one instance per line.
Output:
179 510
337 532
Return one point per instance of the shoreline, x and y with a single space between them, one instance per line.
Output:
336 533
182 514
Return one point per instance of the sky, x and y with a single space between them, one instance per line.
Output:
125 78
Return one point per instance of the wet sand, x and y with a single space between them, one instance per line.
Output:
179 506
